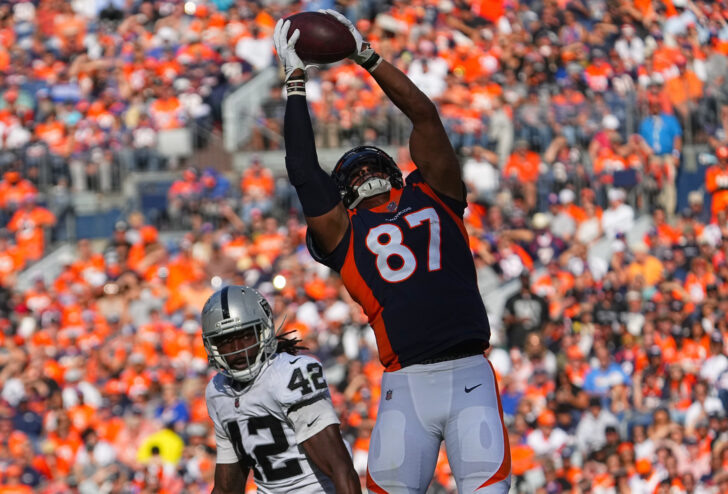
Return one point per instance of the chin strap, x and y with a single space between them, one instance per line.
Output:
372 187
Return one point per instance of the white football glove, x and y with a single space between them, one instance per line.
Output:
364 52
285 47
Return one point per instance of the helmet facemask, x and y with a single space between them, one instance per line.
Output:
240 348
382 175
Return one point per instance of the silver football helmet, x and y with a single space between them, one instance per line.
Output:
235 309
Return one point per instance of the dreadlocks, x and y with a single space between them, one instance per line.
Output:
289 345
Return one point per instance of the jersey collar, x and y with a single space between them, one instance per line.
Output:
391 205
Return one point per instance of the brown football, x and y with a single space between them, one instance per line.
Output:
323 39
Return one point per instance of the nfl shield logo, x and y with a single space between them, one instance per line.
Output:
237 402
388 396
391 206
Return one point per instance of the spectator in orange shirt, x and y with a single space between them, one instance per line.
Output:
167 111
716 181
257 186
13 188
644 266
685 90
184 197
523 168
269 243
12 482
29 223
663 234
11 258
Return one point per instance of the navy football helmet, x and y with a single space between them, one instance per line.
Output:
345 172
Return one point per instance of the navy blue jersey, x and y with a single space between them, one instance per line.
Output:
409 265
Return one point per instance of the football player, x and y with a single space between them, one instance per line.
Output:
402 251
270 407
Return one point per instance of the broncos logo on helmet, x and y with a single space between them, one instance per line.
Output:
354 186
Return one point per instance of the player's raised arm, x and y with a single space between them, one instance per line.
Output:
229 478
328 452
430 147
325 214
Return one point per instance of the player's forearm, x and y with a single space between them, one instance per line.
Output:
403 93
316 190
220 490
229 478
346 481
298 132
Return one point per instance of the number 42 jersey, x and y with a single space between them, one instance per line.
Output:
263 424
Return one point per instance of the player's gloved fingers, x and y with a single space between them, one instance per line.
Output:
294 37
284 29
331 12
276 36
341 18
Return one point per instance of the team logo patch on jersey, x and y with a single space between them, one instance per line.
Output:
388 396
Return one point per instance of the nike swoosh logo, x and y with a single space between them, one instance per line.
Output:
294 360
312 422
468 390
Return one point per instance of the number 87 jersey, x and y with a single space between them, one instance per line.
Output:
263 424
408 264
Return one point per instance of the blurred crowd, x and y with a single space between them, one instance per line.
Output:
87 87
571 118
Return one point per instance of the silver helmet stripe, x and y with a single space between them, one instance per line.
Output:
234 309
224 305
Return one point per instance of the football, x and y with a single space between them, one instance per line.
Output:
323 39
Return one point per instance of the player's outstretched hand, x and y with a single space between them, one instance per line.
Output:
363 51
285 47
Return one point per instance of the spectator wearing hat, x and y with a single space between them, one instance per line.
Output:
547 439
644 480
544 245
618 217
703 405
591 431
603 141
561 223
605 374
524 312
663 134
696 204
645 266
630 48
634 318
